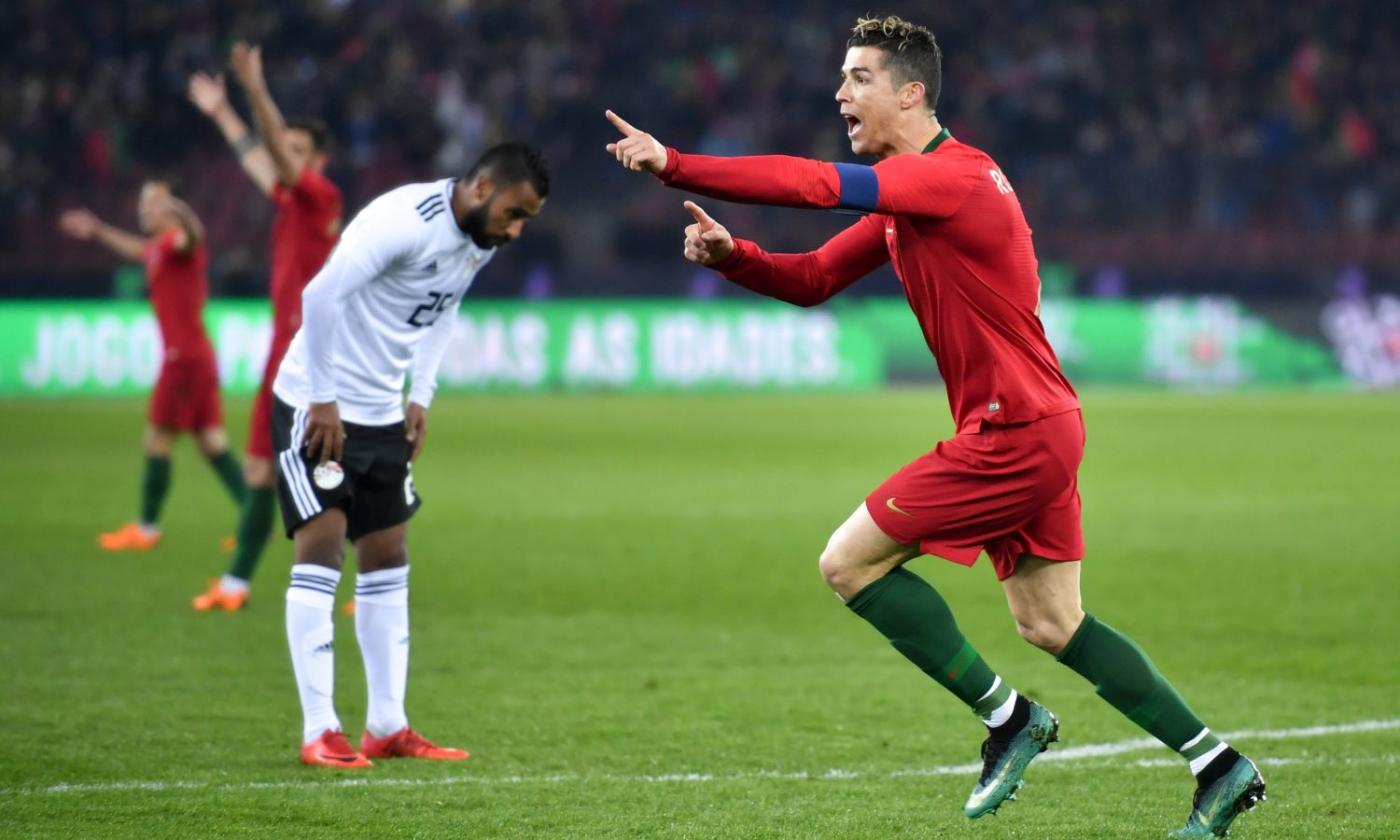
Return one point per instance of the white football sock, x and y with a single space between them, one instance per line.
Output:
1199 762
381 625
311 639
1001 714
233 585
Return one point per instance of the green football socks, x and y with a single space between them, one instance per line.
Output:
230 474
918 623
1125 678
155 483
254 528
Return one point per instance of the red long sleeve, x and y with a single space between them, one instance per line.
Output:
903 185
762 179
811 278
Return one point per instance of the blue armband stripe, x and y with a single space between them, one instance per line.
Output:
860 187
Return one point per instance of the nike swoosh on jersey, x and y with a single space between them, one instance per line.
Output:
889 503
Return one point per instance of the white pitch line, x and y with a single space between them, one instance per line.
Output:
1069 754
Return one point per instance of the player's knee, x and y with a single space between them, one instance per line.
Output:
836 567
213 444
380 560
257 472
1047 634
159 442
321 540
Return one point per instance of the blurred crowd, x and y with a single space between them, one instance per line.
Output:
1122 125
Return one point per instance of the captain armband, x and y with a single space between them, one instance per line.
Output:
860 188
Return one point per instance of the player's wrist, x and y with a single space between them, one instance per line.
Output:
673 162
730 260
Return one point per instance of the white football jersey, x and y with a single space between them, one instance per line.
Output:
384 303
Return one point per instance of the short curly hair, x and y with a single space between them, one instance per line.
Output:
911 52
514 163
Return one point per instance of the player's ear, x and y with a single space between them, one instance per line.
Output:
911 94
482 186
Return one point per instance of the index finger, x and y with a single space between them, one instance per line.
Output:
620 124
322 446
700 215
312 443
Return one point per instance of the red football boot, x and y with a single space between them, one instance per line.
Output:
129 537
408 744
218 598
332 750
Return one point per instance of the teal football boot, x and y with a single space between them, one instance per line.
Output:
1218 801
1004 760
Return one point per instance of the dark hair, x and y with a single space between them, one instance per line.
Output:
315 129
513 163
911 53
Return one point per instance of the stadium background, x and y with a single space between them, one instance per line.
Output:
1215 194
1244 152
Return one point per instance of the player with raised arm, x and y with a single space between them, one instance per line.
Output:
947 218
382 307
186 396
287 160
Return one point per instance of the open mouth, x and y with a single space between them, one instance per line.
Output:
852 124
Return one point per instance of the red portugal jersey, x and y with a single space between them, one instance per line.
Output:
303 234
950 223
178 288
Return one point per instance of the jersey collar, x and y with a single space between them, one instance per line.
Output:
938 140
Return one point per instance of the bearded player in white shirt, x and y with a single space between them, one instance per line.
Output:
381 308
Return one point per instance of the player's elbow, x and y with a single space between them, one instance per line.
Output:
810 296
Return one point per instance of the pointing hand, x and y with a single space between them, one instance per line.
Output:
706 241
637 150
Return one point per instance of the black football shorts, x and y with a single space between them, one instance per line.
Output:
372 483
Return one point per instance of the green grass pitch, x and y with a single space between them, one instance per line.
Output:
616 607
